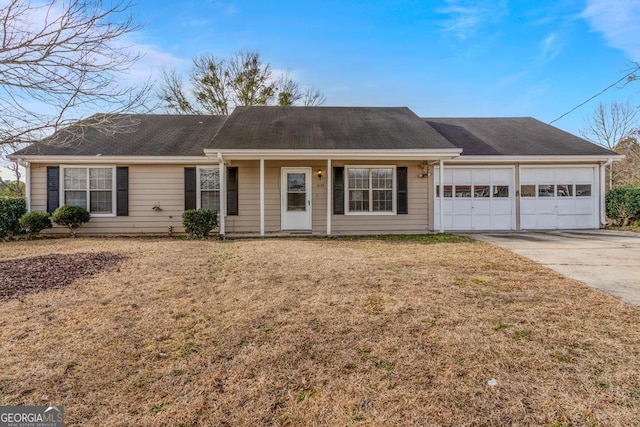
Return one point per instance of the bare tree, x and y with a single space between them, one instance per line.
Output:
627 171
220 84
610 123
60 61
312 97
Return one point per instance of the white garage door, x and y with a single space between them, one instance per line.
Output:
558 198
476 198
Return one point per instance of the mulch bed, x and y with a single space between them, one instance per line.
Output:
22 276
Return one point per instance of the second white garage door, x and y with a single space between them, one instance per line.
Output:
558 197
476 198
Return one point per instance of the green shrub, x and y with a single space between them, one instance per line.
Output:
34 222
72 217
623 204
11 209
198 223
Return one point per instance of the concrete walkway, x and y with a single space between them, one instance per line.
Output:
603 259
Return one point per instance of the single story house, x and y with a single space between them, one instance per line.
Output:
320 170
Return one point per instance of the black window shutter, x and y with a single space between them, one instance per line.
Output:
232 191
53 188
338 190
401 188
189 188
122 191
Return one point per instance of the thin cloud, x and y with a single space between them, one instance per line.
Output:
618 21
550 47
465 18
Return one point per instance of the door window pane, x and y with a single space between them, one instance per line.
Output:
565 190
296 182
463 191
583 190
500 191
546 190
296 202
527 191
481 191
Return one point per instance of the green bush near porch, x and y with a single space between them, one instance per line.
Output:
198 223
11 209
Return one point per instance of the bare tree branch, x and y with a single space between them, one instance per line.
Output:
312 97
610 123
61 61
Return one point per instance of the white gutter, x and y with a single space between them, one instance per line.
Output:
537 159
27 182
361 154
441 198
603 191
115 159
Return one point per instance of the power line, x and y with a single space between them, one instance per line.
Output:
627 76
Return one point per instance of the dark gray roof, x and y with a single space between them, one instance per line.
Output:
132 135
326 128
512 136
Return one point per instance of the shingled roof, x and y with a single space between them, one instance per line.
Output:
138 135
512 136
326 128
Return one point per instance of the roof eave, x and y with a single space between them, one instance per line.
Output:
537 158
357 154
112 159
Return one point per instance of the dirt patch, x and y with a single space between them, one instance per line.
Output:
22 276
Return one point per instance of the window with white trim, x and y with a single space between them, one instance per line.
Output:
370 189
90 188
209 188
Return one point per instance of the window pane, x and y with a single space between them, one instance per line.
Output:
463 191
296 182
481 191
528 191
76 198
100 202
100 178
500 191
583 190
382 178
546 190
210 199
565 190
297 202
382 200
75 179
448 191
359 200
358 178
209 179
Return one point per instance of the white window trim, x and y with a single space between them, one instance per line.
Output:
199 189
394 184
114 208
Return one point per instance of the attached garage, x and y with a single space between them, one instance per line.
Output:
558 197
476 198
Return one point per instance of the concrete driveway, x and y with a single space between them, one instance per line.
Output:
603 259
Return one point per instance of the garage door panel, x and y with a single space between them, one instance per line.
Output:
558 197
479 200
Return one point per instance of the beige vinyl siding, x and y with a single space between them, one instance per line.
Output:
248 218
148 185
416 221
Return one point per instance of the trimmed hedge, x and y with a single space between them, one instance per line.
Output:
72 217
34 222
623 204
198 223
11 209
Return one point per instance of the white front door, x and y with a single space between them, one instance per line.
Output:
296 199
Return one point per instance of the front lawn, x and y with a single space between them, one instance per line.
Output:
312 332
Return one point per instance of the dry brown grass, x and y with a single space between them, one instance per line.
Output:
319 332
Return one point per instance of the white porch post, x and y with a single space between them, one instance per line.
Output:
223 194
329 198
441 198
27 185
262 197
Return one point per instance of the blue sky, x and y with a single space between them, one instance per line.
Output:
439 58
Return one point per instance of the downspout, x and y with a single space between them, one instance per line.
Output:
223 195
441 201
603 190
